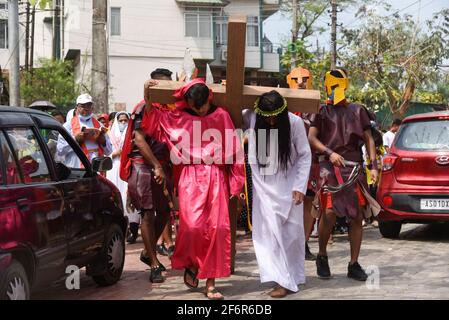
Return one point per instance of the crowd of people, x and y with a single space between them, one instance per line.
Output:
292 173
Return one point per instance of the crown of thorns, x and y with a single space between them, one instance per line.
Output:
269 113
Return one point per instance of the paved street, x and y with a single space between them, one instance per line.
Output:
414 267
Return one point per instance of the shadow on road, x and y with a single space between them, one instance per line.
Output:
435 232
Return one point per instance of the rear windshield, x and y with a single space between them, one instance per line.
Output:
424 135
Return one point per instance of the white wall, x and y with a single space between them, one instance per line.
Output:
43 37
155 28
5 54
128 75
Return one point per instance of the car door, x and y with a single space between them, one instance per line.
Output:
84 228
36 198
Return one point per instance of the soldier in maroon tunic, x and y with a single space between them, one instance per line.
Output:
337 133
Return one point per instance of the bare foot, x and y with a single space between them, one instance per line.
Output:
212 294
278 292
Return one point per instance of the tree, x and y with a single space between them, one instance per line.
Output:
317 60
41 3
54 81
391 58
307 23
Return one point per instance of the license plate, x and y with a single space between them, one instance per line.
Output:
434 204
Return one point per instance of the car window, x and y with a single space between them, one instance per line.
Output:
424 136
51 137
29 155
62 151
12 171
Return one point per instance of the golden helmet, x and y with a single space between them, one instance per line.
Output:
298 74
338 81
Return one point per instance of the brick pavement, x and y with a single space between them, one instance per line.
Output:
414 267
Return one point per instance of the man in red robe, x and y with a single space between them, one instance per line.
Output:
201 138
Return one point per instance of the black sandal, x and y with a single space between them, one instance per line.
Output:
191 274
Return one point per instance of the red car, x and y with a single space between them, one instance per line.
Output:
414 186
53 218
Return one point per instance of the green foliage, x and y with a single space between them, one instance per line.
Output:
391 58
54 81
42 4
429 97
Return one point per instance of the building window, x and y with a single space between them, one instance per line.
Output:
221 31
252 32
198 23
4 6
3 34
116 27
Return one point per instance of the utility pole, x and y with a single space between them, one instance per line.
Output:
27 37
294 34
57 30
13 43
100 56
334 34
33 28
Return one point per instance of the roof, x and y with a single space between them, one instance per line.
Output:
23 110
213 2
428 115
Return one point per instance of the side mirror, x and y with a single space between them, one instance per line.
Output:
62 171
101 164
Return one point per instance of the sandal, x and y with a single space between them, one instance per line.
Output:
192 275
211 292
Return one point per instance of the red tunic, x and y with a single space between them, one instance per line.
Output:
204 188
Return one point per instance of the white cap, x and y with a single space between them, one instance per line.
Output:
84 98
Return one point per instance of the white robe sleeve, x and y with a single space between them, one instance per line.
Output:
63 148
108 148
304 159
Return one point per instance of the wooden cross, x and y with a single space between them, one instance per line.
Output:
236 96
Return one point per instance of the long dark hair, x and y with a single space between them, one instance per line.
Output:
271 101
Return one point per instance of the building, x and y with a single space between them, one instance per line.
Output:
148 34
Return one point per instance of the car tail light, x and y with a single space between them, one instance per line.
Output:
388 162
388 201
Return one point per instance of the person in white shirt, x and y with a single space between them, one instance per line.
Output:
389 136
87 131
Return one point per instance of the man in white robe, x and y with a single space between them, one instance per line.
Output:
75 123
279 188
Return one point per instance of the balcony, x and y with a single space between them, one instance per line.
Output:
270 7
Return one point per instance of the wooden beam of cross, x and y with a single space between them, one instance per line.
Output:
236 96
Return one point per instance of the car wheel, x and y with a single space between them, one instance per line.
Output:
112 257
390 229
14 283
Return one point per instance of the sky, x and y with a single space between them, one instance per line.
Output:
277 27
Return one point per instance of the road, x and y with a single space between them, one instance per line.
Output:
415 266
